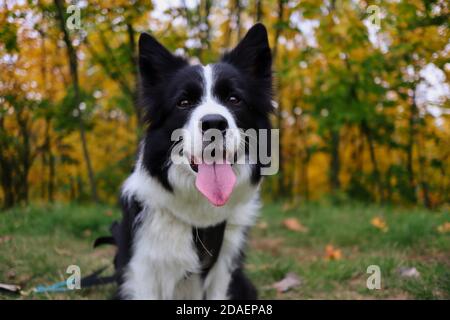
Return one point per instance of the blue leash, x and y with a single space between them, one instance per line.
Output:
57 287
88 281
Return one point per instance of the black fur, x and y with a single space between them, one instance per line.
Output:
208 242
123 233
241 288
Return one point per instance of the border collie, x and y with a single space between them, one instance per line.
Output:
185 224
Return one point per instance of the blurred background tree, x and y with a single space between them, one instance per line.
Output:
362 100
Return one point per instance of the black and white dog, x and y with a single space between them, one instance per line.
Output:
185 224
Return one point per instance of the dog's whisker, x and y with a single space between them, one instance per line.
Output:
201 242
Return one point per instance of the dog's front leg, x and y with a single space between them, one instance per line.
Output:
141 282
147 279
218 281
219 277
163 254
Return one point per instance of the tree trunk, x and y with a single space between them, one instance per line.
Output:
25 158
258 11
306 178
203 9
409 150
44 160
6 171
335 163
51 175
47 156
72 56
376 173
207 36
73 192
279 111
367 132
422 171
134 62
278 23
238 8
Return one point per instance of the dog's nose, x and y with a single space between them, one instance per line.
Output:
213 121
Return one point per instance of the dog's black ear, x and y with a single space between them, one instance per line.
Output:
252 54
155 61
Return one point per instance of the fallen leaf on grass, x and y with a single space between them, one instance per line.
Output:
11 274
444 228
332 253
62 252
291 280
287 206
23 278
294 225
258 267
262 225
87 233
108 213
407 272
269 244
379 223
5 239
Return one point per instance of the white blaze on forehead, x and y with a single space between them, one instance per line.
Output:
209 104
208 76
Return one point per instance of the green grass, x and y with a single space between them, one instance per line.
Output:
40 242
37 243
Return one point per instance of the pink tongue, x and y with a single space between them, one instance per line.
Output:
215 182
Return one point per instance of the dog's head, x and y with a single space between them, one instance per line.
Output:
198 115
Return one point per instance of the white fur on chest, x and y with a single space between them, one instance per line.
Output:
165 264
162 257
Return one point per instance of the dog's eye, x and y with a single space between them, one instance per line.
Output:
183 103
233 99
